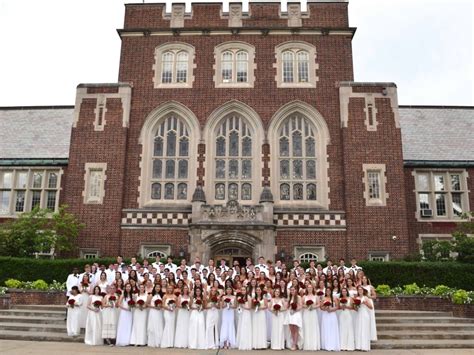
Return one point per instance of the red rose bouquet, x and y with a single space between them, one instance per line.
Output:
256 303
177 293
214 300
276 307
309 303
112 298
294 306
158 302
141 303
357 302
103 294
71 302
241 300
97 304
227 300
171 304
185 304
199 304
320 293
131 303
118 292
343 301
327 303
239 295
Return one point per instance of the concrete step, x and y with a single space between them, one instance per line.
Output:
424 344
429 335
35 320
40 307
410 314
39 336
31 313
33 327
432 327
386 320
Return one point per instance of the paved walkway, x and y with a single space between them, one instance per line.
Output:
31 347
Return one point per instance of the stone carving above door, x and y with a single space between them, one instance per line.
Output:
231 212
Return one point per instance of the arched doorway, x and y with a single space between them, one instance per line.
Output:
231 254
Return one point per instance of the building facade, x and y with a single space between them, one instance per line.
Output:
238 132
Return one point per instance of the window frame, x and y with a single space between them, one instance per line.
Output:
318 250
175 48
381 201
234 47
89 168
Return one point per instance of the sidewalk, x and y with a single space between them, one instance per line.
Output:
30 347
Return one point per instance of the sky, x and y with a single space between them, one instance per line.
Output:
47 47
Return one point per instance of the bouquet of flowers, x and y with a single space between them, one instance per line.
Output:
199 304
103 294
158 302
112 300
294 306
171 304
357 303
131 303
276 308
97 304
320 293
239 295
327 303
214 300
240 301
227 302
118 292
71 302
141 304
256 303
309 304
185 305
177 293
343 302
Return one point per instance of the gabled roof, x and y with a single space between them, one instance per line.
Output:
35 132
437 133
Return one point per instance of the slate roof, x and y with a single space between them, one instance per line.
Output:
35 132
437 133
429 133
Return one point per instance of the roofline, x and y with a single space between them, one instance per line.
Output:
51 107
440 107
34 162
439 163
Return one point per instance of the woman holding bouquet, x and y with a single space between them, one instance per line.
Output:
329 324
102 282
73 305
244 328
346 321
227 339
109 316
212 319
259 319
169 316
140 316
182 319
124 325
366 284
295 320
278 308
363 321
155 318
311 335
197 325
94 319
85 288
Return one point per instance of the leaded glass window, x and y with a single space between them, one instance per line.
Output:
234 66
233 162
174 67
295 66
297 159
170 167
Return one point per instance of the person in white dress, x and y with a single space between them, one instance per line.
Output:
373 295
278 307
346 321
363 322
102 282
85 289
212 319
140 317
124 324
295 320
259 320
197 323
169 316
329 324
94 319
155 318
244 328
110 316
182 318
311 334
228 306
73 305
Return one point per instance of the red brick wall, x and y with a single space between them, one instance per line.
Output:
132 238
15 297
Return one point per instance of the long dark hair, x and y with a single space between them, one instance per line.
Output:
127 294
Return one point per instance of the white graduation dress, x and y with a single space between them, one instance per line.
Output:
197 328
182 324
167 341
94 324
73 315
139 324
259 328
155 324
373 324
330 331
363 327
346 327
278 326
84 310
212 330
124 325
296 318
244 330
227 334
109 320
311 334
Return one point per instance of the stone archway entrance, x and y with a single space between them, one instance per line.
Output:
231 254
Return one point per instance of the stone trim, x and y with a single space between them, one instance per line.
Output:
381 169
100 110
318 250
295 14
147 248
234 46
157 65
310 220
177 15
370 113
155 218
313 65
85 193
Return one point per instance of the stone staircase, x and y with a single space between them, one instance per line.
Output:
396 329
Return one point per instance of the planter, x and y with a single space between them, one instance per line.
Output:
425 303
33 297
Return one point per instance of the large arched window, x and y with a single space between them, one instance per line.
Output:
169 138
299 137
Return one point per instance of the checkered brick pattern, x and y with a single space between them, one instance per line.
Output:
310 220
155 218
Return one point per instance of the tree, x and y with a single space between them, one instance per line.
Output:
464 240
39 231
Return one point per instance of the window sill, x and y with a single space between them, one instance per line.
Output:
174 86
235 86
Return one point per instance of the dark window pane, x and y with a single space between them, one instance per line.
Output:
20 201
297 144
170 169
182 169
169 191
220 169
220 192
440 205
156 191
298 192
424 201
246 192
233 191
311 192
51 200
183 147
157 168
158 147
246 169
171 144
310 169
246 147
36 199
233 144
297 169
284 169
284 147
53 181
284 192
182 191
310 147
220 147
457 204
233 169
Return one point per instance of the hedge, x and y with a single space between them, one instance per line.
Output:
430 274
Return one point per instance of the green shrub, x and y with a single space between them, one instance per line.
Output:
442 290
460 297
411 289
383 290
39 285
13 283
3 290
57 286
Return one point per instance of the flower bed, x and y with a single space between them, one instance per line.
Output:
31 293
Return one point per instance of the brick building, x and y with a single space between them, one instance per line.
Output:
237 132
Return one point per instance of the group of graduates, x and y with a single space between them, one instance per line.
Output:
210 307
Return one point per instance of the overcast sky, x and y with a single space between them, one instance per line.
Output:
47 47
